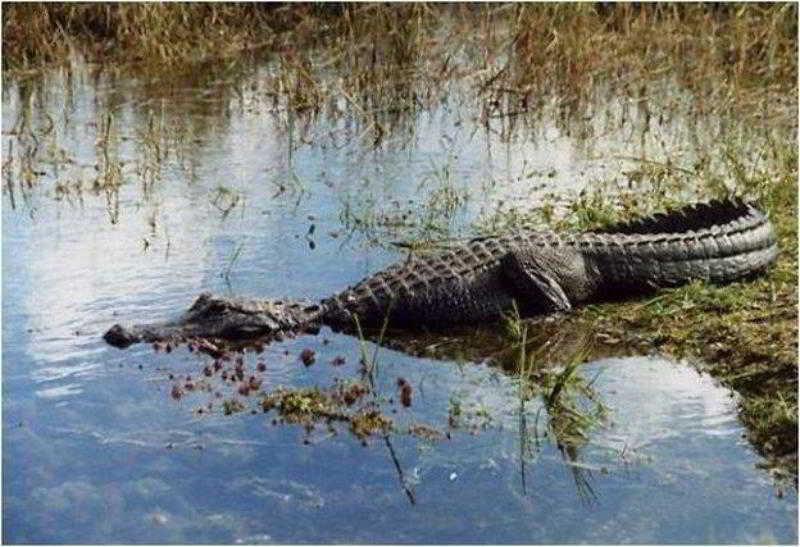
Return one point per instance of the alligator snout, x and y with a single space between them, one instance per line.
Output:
120 337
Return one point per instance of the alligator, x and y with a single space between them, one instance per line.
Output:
480 280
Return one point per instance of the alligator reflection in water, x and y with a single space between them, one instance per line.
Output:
545 403
718 241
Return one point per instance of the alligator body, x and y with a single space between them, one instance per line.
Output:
539 272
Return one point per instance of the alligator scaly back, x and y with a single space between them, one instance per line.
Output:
539 272
717 241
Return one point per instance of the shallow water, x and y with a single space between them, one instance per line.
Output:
222 196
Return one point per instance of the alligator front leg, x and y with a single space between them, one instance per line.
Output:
548 279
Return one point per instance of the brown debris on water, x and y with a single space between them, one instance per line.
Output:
405 395
426 432
307 356
254 383
368 422
349 393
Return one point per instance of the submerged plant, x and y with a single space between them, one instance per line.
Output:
567 396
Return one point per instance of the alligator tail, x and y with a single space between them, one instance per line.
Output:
718 241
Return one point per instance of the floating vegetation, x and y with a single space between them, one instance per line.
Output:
232 406
307 356
310 406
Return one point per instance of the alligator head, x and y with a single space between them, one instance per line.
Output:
219 317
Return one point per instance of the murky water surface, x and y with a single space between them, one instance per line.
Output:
225 192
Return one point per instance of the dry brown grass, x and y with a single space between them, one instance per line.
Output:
518 49
386 60
40 34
